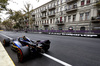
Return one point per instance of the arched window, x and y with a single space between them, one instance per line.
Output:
82 28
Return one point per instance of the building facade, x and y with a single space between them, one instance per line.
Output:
66 15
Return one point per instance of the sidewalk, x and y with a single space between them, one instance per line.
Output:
5 59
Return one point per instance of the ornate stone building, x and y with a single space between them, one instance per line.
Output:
67 15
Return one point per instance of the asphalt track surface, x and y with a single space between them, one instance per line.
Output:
76 51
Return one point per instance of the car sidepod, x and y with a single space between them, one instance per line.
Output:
16 45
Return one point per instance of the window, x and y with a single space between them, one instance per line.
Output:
57 2
61 1
87 16
82 28
82 2
56 9
53 11
42 22
38 22
74 17
98 13
47 22
60 19
51 21
57 20
65 7
64 18
60 8
66 0
69 7
75 5
88 1
69 18
60 28
81 16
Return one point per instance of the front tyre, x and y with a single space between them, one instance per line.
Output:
23 53
6 42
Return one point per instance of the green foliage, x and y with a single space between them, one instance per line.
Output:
3 1
16 26
8 24
98 4
0 20
3 4
28 10
15 15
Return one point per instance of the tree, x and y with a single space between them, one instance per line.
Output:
14 15
8 24
16 26
3 4
28 10
98 4
0 23
17 16
0 20
10 12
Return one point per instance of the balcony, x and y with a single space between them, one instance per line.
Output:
71 1
95 19
74 9
33 15
60 22
43 11
36 25
33 19
43 17
51 15
52 8
45 24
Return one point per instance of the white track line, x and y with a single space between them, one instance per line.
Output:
57 60
44 54
7 36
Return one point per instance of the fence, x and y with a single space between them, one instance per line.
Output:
68 31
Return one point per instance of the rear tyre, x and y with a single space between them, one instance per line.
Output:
6 42
46 48
23 53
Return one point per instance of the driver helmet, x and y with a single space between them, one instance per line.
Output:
25 38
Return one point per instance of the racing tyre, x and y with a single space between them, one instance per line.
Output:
6 42
23 53
46 48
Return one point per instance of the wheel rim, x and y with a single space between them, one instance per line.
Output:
20 55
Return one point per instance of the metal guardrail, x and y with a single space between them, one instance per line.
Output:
68 31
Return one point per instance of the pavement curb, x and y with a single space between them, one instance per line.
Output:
5 59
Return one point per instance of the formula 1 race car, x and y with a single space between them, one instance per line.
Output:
26 47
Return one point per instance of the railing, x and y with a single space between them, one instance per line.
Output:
44 10
51 14
70 1
43 17
36 25
45 24
69 31
33 19
95 19
33 15
60 22
74 8
52 7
